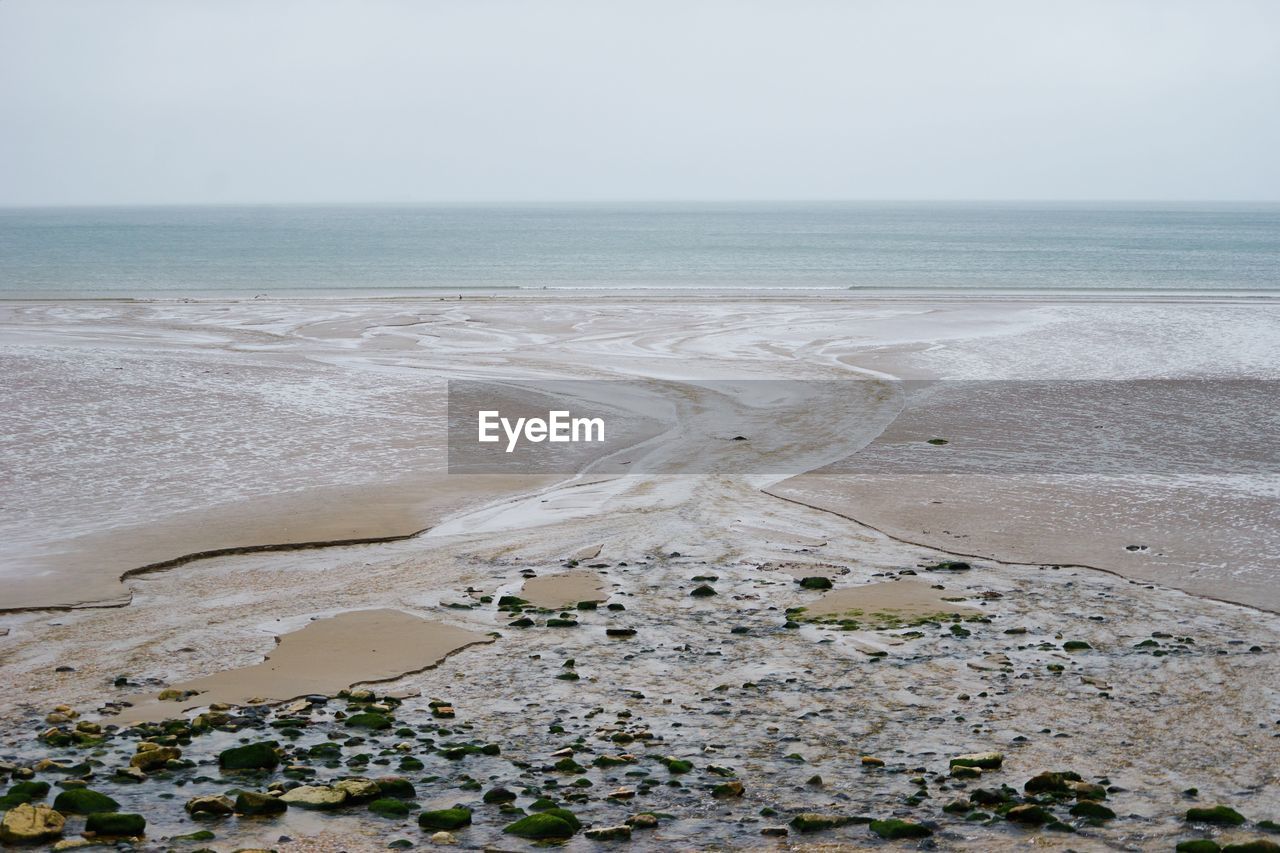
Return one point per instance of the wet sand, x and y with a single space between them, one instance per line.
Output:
555 591
325 657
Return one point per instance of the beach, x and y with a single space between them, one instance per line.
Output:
205 485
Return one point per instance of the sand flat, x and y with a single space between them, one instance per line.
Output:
326 656
554 591
901 598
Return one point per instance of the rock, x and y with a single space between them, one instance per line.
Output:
1092 810
499 795
157 757
702 591
389 807
816 582
728 790
814 822
1197 845
116 824
984 760
774 831
28 824
83 801
643 820
129 774
872 761
253 756
1028 813
212 805
396 786
358 789
369 720
198 835
443 838
320 797
1221 815
621 832
256 803
551 823
965 771
894 828
454 818
1260 845
1087 790
1051 783
676 765
1076 646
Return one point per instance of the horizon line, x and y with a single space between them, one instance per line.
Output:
622 201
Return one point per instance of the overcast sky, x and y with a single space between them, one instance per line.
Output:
189 101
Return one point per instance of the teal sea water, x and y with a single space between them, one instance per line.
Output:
366 250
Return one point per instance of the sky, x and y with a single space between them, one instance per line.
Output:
274 101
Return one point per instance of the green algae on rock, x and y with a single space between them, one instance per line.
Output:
1222 815
84 801
893 828
447 819
253 756
115 823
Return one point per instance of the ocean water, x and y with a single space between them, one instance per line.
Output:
365 250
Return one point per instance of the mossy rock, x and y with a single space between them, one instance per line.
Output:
1051 782
1029 814
254 803
950 566
542 804
893 828
703 591
1221 815
1264 825
199 835
31 790
557 622
1260 845
389 807
1257 845
83 801
1076 646
728 790
447 819
814 822
1092 810
395 786
369 720
115 823
677 765
328 749
499 795
253 756
816 582
1198 845
549 824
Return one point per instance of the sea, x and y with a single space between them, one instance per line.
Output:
375 250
